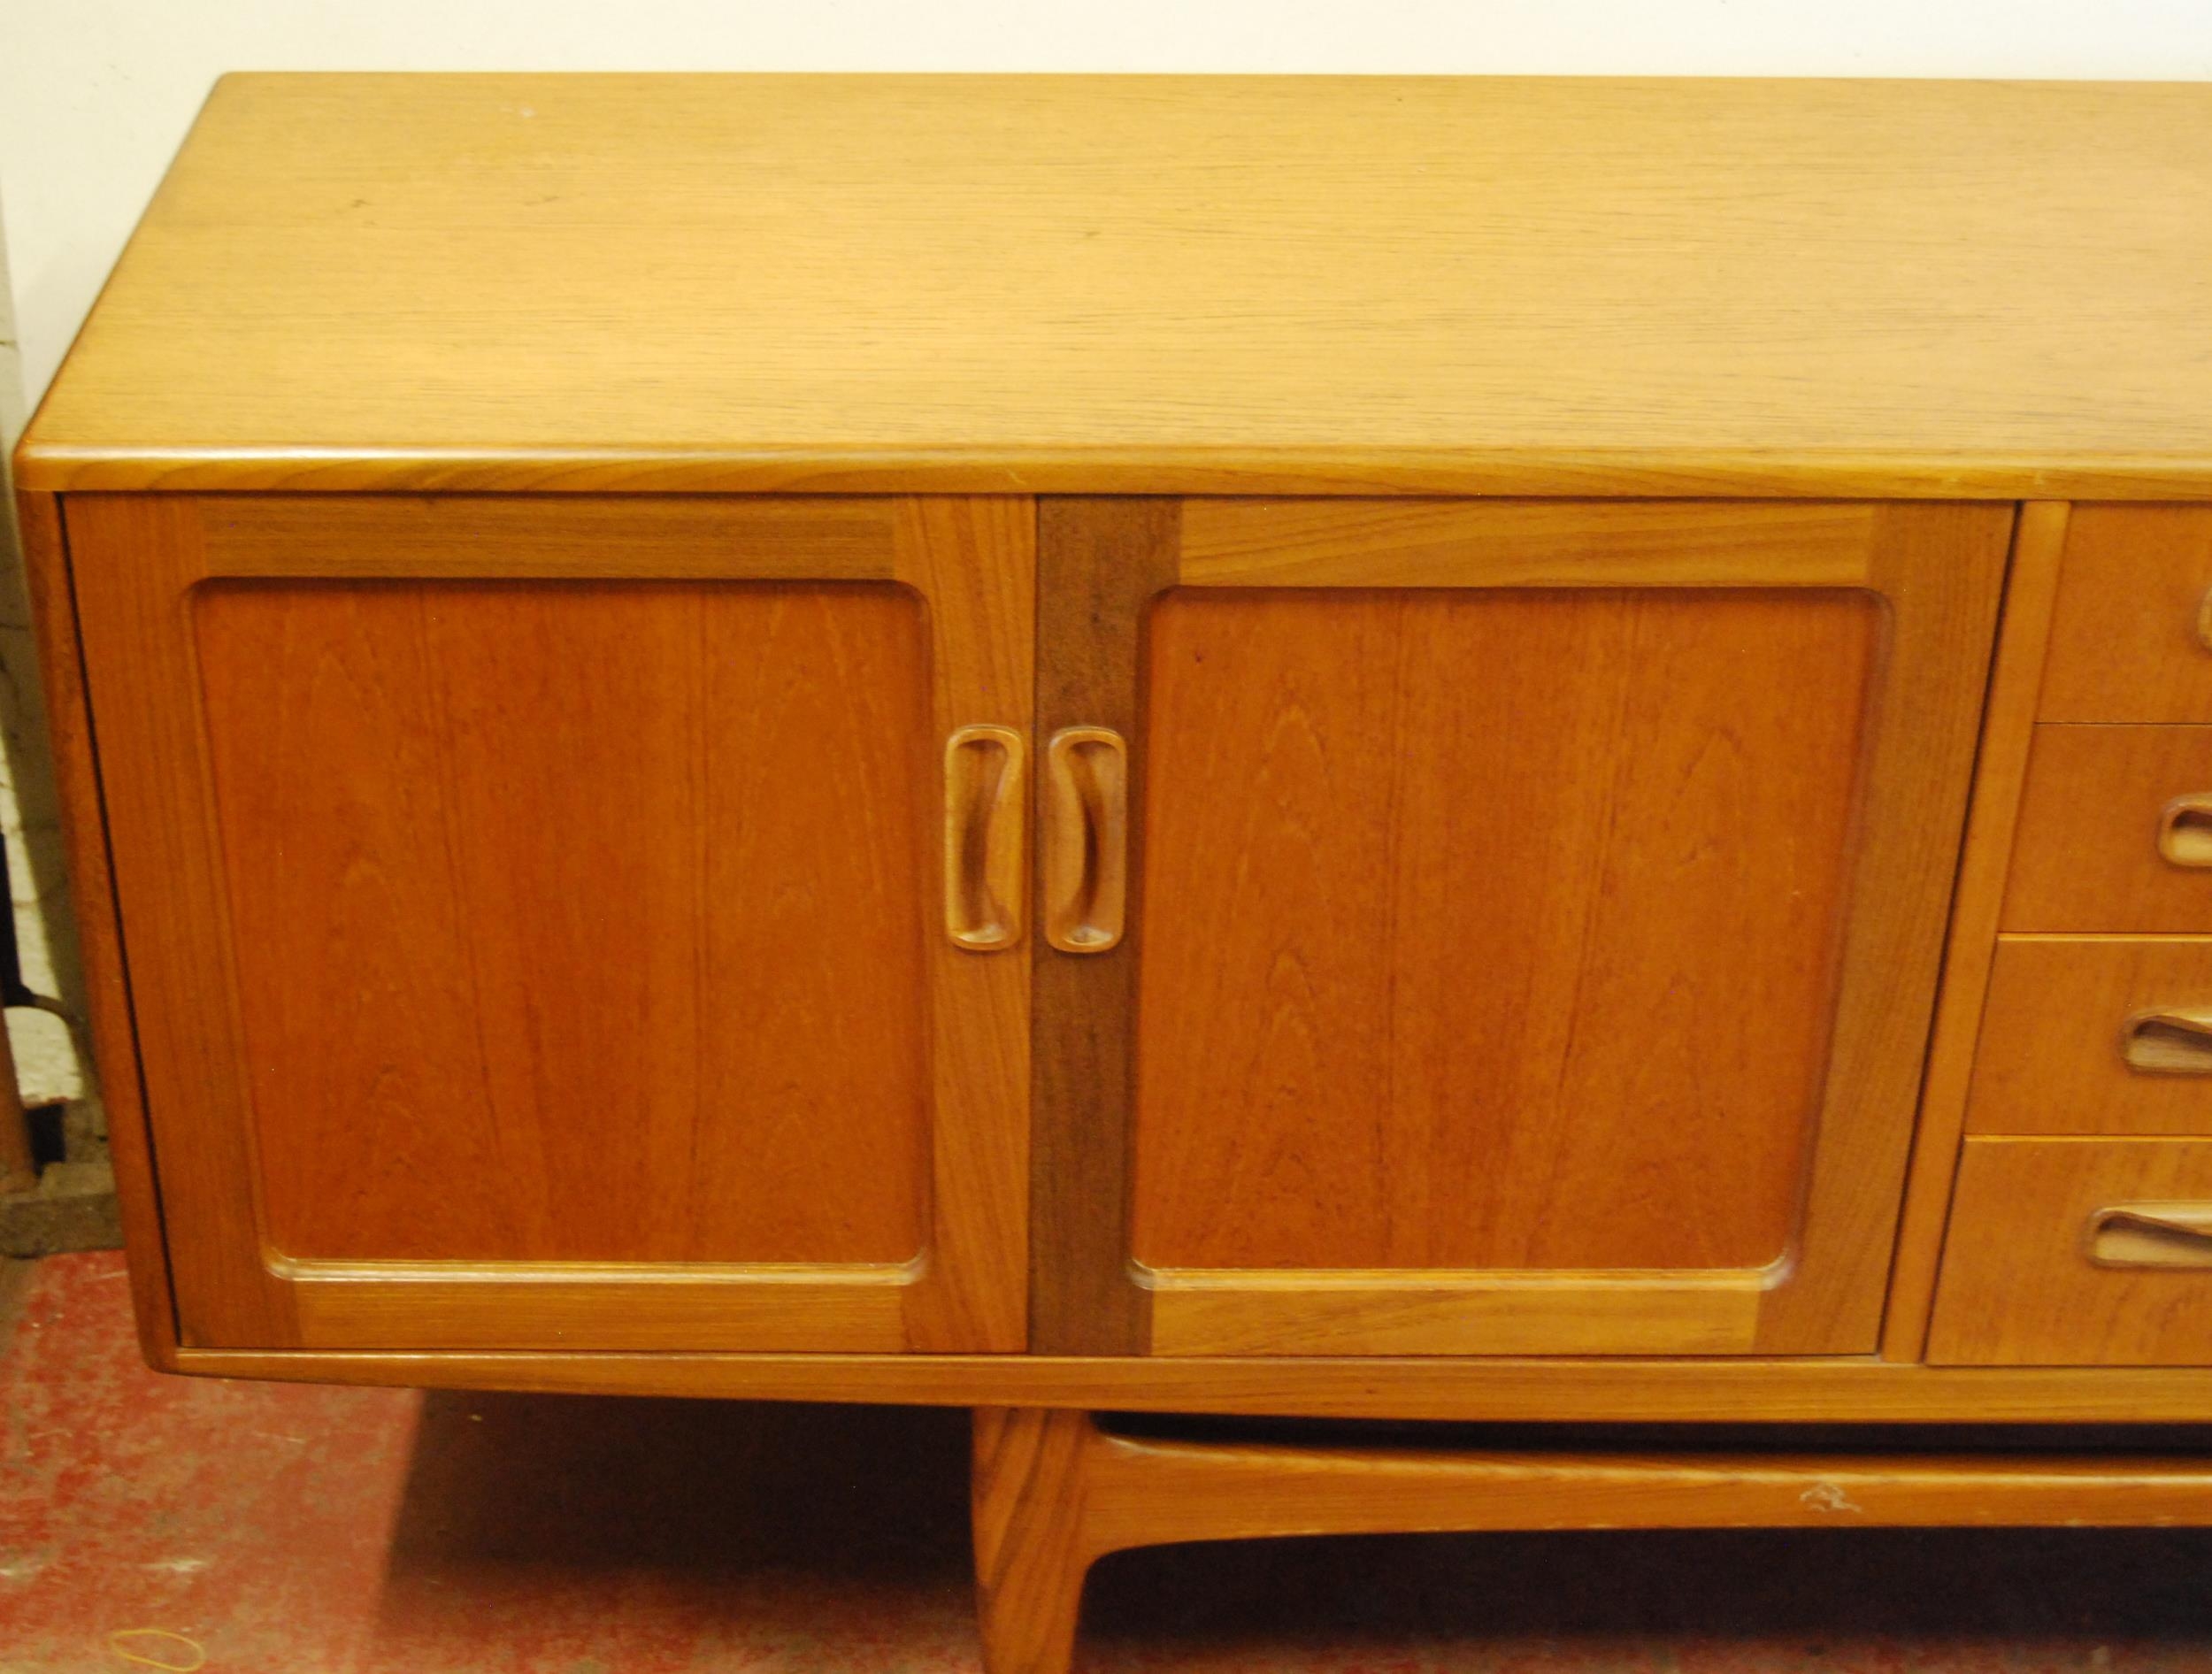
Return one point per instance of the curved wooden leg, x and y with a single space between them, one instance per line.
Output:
1031 1550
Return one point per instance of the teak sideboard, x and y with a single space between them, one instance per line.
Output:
1523 750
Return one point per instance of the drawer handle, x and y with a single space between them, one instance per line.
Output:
1085 838
986 838
2184 829
2204 620
2167 1043
2152 1235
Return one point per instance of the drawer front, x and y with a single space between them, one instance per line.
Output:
2078 1253
2132 634
2096 1035
2115 833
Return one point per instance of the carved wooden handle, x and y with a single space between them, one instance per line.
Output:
2184 829
1086 839
2152 1235
986 838
2169 1042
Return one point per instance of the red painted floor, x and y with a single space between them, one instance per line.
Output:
158 1522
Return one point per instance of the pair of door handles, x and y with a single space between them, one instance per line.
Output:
1084 854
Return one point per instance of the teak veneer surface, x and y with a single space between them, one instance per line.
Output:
508 987
1448 896
1160 284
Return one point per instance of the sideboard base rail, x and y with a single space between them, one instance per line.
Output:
1053 1491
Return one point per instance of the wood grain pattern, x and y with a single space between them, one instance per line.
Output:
534 750
1350 541
639 1306
2126 642
692 805
2018 1286
1349 285
1100 562
1052 1492
975 562
1028 1486
1445 914
1816 1389
2051 1058
2086 859
1937 571
92 905
2000 769
1392 1311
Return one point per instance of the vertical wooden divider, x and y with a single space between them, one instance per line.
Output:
1099 563
972 558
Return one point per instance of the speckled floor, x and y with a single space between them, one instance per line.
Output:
153 1522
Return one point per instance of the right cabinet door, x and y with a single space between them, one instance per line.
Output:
1491 927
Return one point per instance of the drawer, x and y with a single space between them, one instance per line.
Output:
2131 634
2100 1036
2115 833
2077 1253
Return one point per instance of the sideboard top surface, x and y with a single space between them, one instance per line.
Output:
1172 285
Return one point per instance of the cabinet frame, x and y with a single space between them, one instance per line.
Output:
136 561
1938 566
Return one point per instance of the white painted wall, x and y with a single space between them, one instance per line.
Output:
96 94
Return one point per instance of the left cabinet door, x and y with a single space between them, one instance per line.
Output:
540 912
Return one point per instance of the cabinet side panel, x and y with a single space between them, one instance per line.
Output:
1491 930
92 901
576 921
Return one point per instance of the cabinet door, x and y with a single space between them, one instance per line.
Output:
1530 923
537 913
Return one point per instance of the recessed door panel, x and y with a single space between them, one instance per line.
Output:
1490 930
577 921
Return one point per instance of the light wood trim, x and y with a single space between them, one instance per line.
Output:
1053 1492
1561 1389
1353 542
1902 474
92 903
2151 1235
1086 839
2185 831
1424 283
1100 562
2001 770
975 561
1429 1312
986 836
2167 1043
446 1306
